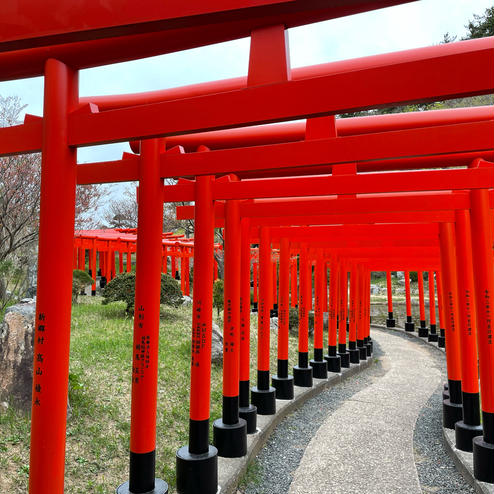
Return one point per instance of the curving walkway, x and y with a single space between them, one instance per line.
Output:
377 432
373 431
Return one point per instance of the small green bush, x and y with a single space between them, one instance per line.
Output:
218 289
122 288
80 280
293 319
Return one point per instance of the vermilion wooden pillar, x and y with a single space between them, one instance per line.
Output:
197 463
433 336
173 266
263 395
390 321
294 283
452 409
146 326
319 364
342 325
120 262
367 314
187 275
52 335
360 313
230 431
483 266
409 325
441 341
352 334
333 359
302 373
423 330
128 264
182 270
469 427
282 381
246 411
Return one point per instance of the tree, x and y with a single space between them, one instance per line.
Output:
20 179
122 213
218 291
482 25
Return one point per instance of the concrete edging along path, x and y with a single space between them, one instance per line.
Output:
462 460
231 470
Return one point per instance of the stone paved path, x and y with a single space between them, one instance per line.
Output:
373 430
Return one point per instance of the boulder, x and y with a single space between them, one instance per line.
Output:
186 301
16 355
216 344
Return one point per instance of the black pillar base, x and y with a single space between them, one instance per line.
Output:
409 326
452 413
483 460
441 341
302 376
249 414
93 293
264 400
344 359
230 439
464 435
423 330
368 345
283 386
254 306
160 487
390 321
197 473
319 369
354 355
445 394
362 352
433 337
334 362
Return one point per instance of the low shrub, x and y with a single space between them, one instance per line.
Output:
122 288
218 290
80 280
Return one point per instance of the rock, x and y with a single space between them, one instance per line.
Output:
16 354
375 290
273 324
26 301
186 301
216 344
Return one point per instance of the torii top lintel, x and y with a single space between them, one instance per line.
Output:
95 32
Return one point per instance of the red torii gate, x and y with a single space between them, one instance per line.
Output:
109 241
66 126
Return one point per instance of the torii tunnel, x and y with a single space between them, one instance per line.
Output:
343 196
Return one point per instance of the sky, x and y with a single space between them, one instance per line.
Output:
412 25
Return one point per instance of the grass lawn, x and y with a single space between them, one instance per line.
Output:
100 375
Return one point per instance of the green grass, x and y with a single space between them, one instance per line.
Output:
98 428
